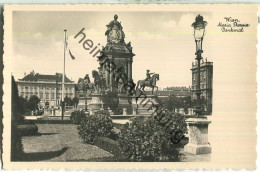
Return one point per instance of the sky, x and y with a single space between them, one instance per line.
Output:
162 42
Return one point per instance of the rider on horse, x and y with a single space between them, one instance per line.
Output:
148 75
149 81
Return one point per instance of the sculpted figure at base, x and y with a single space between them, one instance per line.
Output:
81 85
99 82
85 84
122 83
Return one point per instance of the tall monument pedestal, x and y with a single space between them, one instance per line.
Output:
198 136
96 103
125 101
84 102
145 104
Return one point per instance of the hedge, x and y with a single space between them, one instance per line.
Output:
108 145
147 139
99 124
27 129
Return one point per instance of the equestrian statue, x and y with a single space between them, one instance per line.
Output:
149 81
84 84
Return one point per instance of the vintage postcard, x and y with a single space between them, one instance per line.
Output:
129 86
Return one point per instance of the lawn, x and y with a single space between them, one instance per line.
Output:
59 142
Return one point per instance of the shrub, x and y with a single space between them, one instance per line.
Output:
99 124
108 145
146 139
19 119
16 144
77 116
27 130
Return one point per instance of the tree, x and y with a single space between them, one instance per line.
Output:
33 102
68 101
172 102
75 101
23 103
16 118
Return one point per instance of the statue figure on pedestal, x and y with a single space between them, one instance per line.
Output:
122 83
85 84
129 47
149 81
115 32
131 87
86 79
99 83
148 75
81 85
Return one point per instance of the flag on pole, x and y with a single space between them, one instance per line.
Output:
72 57
66 45
66 42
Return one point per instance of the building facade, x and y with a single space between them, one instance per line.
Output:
206 79
48 88
179 92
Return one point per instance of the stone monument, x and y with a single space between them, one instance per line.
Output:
115 61
198 136
113 84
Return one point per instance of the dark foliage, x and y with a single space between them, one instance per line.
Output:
77 116
25 105
99 124
149 139
172 102
75 101
108 145
16 143
33 103
27 130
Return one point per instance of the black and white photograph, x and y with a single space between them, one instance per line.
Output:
130 83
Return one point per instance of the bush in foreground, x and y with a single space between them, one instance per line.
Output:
99 124
77 116
108 145
146 139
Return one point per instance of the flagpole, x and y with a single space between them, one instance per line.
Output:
63 79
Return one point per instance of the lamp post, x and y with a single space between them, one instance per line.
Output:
198 126
199 33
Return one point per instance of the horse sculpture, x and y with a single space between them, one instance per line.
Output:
151 83
84 85
99 83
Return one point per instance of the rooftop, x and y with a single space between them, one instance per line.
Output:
41 77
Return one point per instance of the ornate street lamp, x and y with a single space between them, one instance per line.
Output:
199 33
198 125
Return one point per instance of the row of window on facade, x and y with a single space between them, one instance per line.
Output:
202 76
47 95
46 88
202 86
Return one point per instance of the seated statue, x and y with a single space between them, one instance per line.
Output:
115 32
